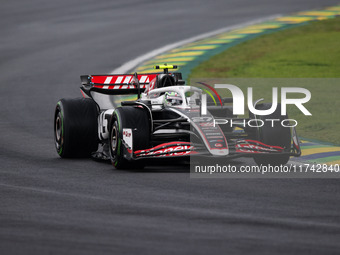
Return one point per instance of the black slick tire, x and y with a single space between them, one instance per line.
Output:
136 119
76 127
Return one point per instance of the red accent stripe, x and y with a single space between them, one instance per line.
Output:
163 145
98 86
250 151
82 93
167 152
271 146
100 79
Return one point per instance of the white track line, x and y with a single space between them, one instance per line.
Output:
128 66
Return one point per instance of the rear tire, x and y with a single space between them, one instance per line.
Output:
75 127
133 118
276 136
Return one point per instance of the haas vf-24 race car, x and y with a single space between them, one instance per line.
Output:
164 120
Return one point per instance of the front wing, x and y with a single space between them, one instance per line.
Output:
242 148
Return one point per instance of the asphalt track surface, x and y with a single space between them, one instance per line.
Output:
50 205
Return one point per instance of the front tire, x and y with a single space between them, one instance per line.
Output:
136 119
75 127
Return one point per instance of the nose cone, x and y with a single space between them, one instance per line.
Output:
219 152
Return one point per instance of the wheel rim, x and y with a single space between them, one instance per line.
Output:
114 139
58 130
58 127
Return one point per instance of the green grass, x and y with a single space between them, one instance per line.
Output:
308 51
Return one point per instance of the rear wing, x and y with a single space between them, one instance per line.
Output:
118 84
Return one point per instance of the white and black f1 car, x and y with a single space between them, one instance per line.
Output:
164 121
